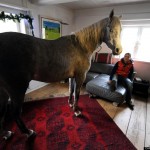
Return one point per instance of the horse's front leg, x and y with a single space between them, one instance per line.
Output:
79 81
71 91
76 109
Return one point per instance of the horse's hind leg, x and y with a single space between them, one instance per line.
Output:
17 98
3 108
71 91
16 111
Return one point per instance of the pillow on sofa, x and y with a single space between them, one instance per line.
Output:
103 58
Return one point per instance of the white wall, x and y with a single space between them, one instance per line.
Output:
54 12
20 3
87 17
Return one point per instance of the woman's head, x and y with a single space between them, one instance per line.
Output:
127 57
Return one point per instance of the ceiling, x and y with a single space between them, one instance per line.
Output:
85 4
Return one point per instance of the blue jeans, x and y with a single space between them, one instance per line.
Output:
127 83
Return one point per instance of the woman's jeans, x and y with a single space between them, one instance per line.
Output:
126 82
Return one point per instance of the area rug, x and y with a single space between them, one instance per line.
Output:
59 129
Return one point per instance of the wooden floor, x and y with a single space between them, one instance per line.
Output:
134 124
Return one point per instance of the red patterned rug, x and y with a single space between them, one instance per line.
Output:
58 129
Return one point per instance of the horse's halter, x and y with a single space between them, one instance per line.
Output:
106 37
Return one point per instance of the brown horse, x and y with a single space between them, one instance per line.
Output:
24 58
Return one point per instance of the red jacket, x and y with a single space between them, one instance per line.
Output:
123 69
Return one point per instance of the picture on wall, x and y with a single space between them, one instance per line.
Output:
51 29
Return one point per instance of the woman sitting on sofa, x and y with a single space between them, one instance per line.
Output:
122 72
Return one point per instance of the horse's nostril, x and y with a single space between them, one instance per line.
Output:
117 50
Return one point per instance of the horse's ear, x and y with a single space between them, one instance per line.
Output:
111 15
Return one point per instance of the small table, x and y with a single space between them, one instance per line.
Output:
141 87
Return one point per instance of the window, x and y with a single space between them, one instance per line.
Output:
11 26
136 39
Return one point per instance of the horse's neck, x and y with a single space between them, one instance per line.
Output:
91 36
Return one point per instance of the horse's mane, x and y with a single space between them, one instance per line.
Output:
90 36
90 33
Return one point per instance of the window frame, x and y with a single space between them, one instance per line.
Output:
17 10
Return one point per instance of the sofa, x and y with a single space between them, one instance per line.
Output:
97 83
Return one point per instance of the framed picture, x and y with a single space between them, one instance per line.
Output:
50 28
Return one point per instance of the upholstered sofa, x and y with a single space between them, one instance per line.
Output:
97 83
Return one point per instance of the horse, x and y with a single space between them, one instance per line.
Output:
24 58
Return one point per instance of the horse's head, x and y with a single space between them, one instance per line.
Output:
112 31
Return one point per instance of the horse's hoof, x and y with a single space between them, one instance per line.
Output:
92 96
8 135
78 113
116 104
70 105
32 134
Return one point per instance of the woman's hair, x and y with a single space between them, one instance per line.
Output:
128 54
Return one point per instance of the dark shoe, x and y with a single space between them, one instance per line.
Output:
113 85
130 105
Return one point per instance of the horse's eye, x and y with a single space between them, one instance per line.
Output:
111 30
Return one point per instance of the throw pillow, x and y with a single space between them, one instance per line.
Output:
103 58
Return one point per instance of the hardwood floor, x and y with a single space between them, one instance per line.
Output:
134 124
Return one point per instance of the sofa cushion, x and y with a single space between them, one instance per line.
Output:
101 88
101 68
90 76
